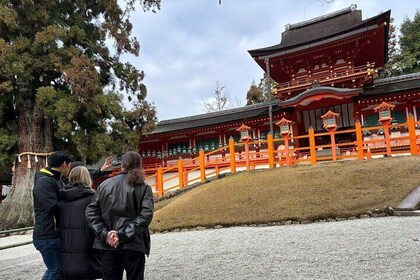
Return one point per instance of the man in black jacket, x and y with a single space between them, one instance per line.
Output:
119 214
46 236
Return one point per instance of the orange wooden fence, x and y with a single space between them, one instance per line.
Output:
368 142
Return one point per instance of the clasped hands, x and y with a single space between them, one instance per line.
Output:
112 239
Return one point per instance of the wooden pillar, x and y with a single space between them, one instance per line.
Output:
180 174
312 145
247 155
359 140
270 145
232 155
387 140
286 148
185 176
159 182
202 166
412 135
333 147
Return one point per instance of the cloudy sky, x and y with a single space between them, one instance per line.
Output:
191 45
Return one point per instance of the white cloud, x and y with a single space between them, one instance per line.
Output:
190 45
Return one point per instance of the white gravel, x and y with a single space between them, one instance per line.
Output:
374 248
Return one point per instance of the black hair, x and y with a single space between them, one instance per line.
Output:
56 159
131 162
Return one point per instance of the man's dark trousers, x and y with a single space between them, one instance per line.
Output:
50 251
115 261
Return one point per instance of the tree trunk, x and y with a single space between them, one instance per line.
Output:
34 135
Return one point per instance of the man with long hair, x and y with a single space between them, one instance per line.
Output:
119 214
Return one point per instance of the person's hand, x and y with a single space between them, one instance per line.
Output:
107 163
112 239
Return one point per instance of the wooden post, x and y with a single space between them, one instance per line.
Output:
232 155
247 155
202 166
159 182
333 147
270 145
387 139
286 148
412 134
312 145
359 140
368 153
180 174
185 176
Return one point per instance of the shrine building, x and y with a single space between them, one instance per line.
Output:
329 63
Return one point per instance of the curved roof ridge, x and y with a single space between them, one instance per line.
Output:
351 8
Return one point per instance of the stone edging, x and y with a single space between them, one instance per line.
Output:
387 211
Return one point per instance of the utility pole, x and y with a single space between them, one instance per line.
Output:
270 104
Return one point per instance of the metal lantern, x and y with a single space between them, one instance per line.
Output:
330 120
244 130
284 125
384 111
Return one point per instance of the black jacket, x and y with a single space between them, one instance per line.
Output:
46 209
129 210
78 259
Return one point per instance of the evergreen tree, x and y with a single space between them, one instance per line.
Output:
390 68
254 95
258 94
61 86
404 55
409 58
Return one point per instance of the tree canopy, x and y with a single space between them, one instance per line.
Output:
62 87
404 56
258 94
62 77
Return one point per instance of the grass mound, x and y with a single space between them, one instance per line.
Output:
322 191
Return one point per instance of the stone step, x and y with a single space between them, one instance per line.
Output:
406 213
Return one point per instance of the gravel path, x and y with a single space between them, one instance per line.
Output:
375 248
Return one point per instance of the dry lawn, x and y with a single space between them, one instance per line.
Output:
326 190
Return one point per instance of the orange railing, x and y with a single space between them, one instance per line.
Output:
325 76
367 142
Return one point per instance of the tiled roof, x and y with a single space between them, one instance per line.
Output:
320 29
412 76
394 84
241 113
